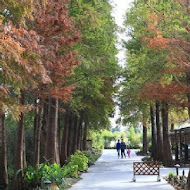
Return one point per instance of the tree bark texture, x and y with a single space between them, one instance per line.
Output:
44 129
69 134
76 126
51 142
79 134
37 132
153 127
59 127
20 150
145 140
188 97
3 153
72 135
64 143
188 94
159 156
167 155
85 132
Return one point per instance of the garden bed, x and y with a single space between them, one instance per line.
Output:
178 182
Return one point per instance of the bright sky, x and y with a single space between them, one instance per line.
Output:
119 11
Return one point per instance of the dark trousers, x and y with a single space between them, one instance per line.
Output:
123 153
118 152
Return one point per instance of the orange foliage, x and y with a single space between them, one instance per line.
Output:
40 59
166 93
57 34
178 50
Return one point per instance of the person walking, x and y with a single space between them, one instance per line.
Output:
129 153
123 147
118 147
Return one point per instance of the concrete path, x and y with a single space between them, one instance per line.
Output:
111 173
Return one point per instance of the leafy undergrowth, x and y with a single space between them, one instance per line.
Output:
178 182
92 155
60 177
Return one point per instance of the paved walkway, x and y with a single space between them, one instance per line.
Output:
111 173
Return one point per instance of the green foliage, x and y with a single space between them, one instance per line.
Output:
108 137
11 130
34 177
134 138
171 175
15 10
70 170
97 140
92 155
80 160
94 78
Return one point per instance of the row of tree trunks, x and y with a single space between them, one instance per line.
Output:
3 153
46 143
160 136
74 136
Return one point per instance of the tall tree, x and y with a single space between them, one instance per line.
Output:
167 156
3 152
153 130
159 147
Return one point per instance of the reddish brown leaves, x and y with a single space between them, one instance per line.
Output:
40 59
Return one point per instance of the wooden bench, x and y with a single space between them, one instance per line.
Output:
146 168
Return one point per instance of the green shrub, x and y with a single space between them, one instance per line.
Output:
92 155
171 175
134 138
80 160
36 176
70 171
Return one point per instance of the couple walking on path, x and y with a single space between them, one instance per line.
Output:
121 147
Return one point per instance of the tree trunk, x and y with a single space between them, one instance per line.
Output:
37 132
76 130
167 155
24 151
51 142
84 136
20 150
3 153
159 155
79 135
44 129
154 139
188 94
65 138
188 181
145 140
72 135
188 97
69 134
59 126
